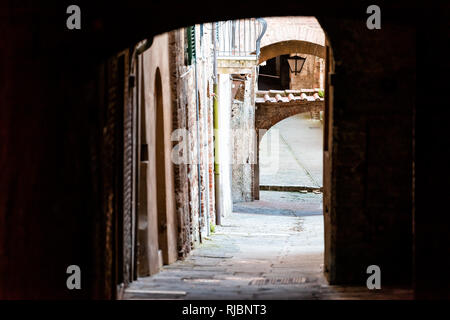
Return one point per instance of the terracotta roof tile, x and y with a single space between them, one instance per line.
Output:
285 96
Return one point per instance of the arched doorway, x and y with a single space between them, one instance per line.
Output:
281 93
361 74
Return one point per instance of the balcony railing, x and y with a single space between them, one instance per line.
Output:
240 39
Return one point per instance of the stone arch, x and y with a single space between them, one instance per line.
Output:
301 35
305 28
291 46
312 41
269 114
346 34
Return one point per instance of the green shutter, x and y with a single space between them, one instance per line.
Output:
190 45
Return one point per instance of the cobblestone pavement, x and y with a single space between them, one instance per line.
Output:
283 203
262 254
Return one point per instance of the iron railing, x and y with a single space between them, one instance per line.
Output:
240 38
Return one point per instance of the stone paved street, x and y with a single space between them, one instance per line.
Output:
260 252
294 157
283 203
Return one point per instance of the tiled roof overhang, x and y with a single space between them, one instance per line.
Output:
287 96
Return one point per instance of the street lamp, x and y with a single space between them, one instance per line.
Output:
296 63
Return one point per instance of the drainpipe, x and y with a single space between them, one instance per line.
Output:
218 201
263 23
198 149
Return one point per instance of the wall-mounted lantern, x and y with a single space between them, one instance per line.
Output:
296 63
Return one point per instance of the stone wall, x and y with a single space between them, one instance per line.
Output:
194 141
179 122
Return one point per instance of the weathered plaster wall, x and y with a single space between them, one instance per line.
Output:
157 57
243 146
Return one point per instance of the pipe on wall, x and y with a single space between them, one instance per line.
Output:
218 198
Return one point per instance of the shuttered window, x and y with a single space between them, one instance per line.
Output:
190 45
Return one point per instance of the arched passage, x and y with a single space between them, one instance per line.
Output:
373 120
268 114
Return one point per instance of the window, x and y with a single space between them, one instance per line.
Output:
190 53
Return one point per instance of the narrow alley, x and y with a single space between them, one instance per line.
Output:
223 150
264 253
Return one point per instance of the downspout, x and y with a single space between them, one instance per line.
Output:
263 23
263 31
198 148
218 198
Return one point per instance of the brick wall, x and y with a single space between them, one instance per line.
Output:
311 76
